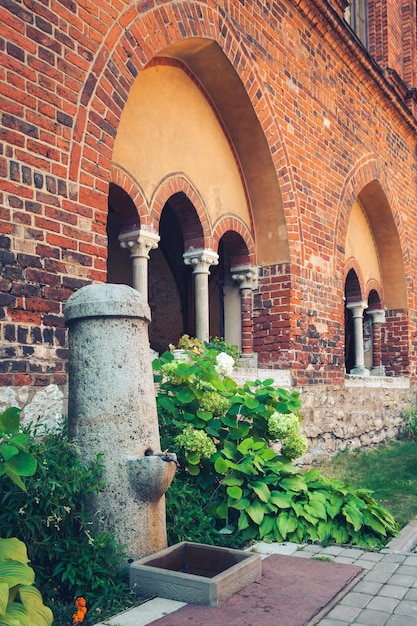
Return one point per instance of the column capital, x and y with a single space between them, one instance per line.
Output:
201 260
378 315
357 308
246 276
139 242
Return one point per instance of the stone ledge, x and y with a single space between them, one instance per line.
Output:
383 382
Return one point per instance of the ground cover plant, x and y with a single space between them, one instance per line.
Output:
73 561
236 446
388 470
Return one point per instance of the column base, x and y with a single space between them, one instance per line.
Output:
360 371
378 371
248 361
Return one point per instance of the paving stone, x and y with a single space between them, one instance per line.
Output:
407 570
411 560
357 599
398 620
364 563
372 618
392 591
380 603
365 586
393 558
373 556
403 581
312 547
411 595
344 612
405 607
345 560
352 553
333 622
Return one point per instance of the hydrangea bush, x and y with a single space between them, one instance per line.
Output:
238 444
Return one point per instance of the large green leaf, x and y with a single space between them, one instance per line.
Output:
4 596
256 512
267 526
293 483
231 480
240 505
234 492
13 549
261 490
8 451
9 420
282 500
243 521
32 601
353 516
221 465
15 573
23 464
286 523
185 396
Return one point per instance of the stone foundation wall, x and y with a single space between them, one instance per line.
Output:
363 412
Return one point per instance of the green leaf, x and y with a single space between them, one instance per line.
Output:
23 464
4 596
281 500
231 480
221 465
222 511
32 601
286 523
251 403
256 512
312 475
9 420
204 415
353 516
185 396
293 483
8 451
14 477
267 526
16 573
193 470
193 458
243 521
13 549
234 492
240 505
261 490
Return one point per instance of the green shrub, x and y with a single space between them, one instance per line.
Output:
21 603
70 556
225 438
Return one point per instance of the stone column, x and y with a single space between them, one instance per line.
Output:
140 243
378 318
112 411
246 276
357 309
201 261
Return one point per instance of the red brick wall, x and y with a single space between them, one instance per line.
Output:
328 115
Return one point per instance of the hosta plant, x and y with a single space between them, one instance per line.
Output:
238 443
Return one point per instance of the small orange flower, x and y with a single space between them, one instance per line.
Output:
81 606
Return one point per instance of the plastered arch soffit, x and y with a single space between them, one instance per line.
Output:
368 183
119 60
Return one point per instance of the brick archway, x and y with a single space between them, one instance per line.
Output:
123 54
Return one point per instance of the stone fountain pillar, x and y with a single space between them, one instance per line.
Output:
112 410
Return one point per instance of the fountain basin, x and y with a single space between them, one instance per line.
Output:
195 573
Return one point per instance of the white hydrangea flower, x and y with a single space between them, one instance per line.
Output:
225 364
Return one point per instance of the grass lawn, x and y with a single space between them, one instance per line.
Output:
389 470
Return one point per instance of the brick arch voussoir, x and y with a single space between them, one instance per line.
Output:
179 184
352 264
132 43
374 285
230 223
123 180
